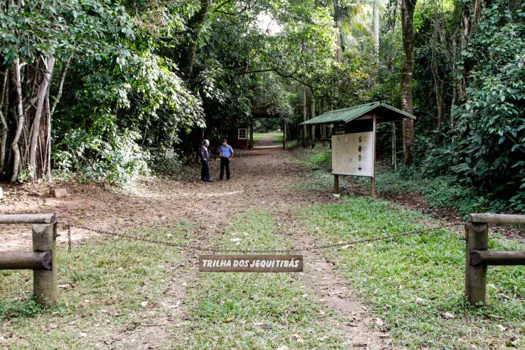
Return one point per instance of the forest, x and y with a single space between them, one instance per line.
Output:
106 90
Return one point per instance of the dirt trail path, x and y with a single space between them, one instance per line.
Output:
267 141
261 178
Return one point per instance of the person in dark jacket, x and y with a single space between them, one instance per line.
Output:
205 161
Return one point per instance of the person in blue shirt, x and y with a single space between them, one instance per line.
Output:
226 154
205 161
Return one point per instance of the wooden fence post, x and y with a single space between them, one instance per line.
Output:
45 281
476 276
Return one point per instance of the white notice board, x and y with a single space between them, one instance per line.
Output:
353 154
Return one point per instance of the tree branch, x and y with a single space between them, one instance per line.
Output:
60 88
221 5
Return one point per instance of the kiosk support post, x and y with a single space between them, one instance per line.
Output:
373 178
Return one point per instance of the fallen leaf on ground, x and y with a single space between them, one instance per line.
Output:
447 315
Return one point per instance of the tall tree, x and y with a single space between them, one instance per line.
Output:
407 25
376 27
194 28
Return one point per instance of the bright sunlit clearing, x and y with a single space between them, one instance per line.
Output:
268 24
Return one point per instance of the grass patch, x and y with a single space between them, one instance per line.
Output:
319 157
256 310
415 283
103 284
277 136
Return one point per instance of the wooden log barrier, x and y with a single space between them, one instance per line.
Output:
478 257
26 261
499 219
42 260
497 257
28 219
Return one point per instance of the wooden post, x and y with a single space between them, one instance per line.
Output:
373 179
252 125
45 281
394 148
336 184
476 276
284 134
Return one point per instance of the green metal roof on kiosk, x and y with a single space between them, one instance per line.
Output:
383 112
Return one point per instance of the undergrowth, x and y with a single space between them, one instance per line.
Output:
442 191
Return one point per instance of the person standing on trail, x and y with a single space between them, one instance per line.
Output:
226 154
205 161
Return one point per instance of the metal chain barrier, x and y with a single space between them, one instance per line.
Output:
229 250
126 236
340 244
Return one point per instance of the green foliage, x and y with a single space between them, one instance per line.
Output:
165 162
132 102
321 160
491 148
83 27
117 162
440 191
25 308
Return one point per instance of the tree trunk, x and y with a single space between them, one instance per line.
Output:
312 116
469 20
338 25
305 116
19 117
376 27
37 132
187 60
407 24
394 146
438 42
3 143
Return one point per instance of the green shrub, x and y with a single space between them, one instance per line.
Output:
117 160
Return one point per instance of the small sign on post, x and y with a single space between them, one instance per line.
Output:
251 263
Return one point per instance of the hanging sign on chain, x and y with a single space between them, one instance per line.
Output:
251 263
